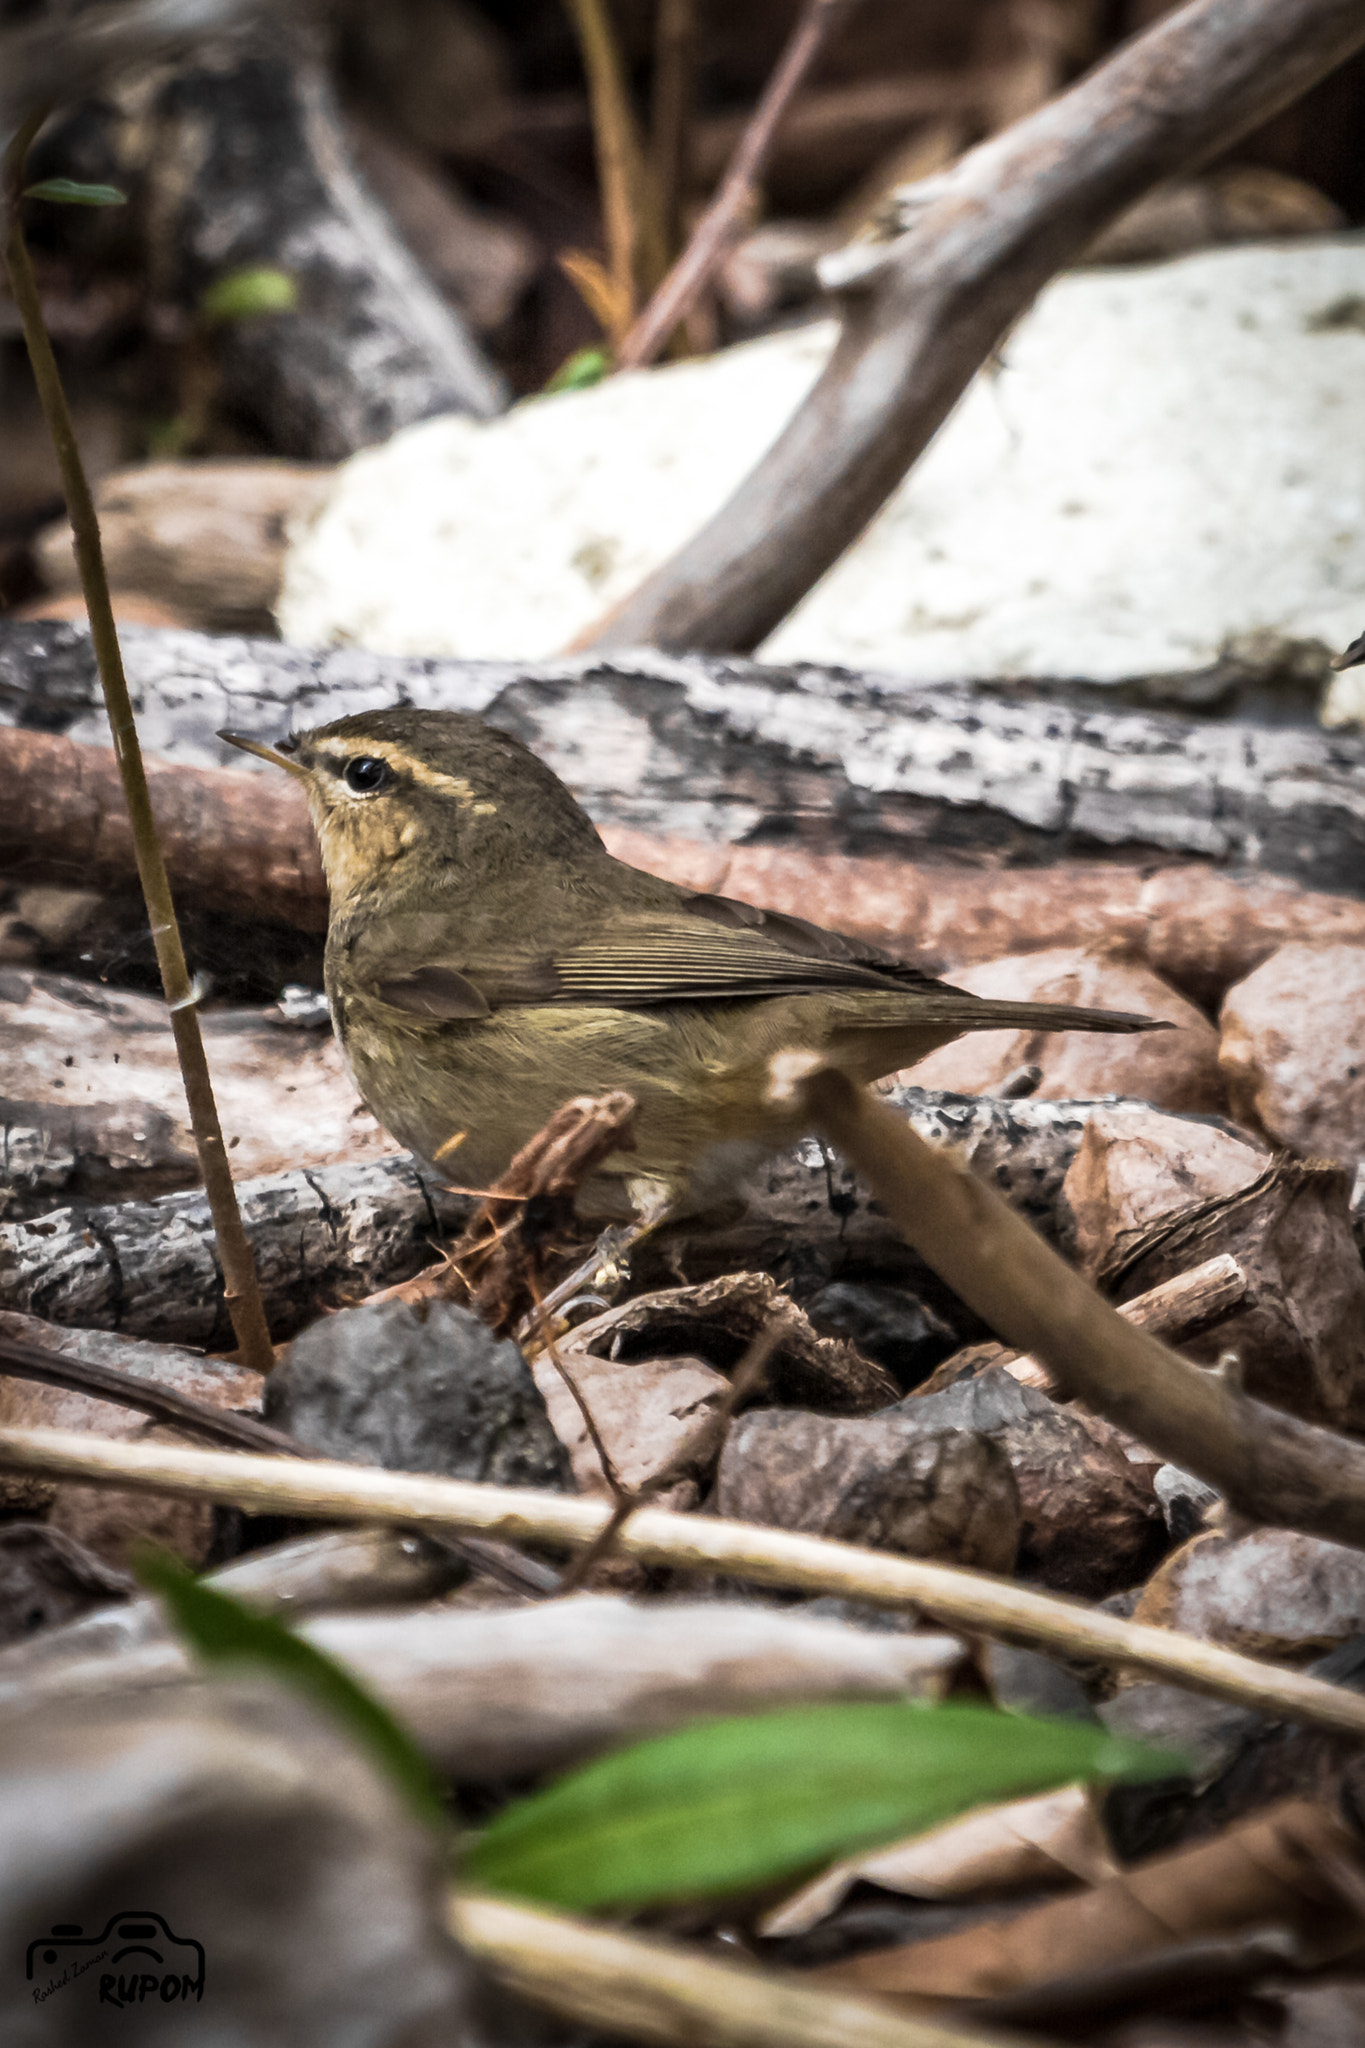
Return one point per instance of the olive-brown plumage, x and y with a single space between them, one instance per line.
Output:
487 958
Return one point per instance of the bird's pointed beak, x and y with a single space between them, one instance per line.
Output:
1354 655
274 755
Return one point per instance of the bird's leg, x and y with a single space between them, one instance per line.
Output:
606 1269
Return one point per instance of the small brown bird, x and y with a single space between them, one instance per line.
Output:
487 958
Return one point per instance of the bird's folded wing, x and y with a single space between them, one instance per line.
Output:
668 957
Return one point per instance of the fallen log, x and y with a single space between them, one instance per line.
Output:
51 57
205 538
242 848
92 1105
510 1693
234 160
330 1234
150 1269
983 785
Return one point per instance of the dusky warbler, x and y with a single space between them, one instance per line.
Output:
487 958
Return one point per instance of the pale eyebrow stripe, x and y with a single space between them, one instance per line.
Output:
418 771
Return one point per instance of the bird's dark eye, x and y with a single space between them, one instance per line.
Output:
367 773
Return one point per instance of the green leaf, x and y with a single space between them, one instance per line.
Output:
584 368
221 1630
242 294
70 192
727 1806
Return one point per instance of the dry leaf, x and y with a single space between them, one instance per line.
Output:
1047 1840
1295 1865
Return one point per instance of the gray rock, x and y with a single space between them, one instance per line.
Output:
1025 1682
875 1479
291 1883
888 1324
47 1578
1091 1523
417 1389
1185 1501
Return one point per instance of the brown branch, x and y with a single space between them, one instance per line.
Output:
726 214
164 1404
1013 212
1178 1309
1270 1466
235 842
241 1292
971 1602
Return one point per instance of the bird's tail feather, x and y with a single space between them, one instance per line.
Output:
984 1014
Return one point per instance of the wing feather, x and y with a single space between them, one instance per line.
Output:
654 958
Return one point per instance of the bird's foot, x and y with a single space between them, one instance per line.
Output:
605 1271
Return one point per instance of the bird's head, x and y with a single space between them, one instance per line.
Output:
435 791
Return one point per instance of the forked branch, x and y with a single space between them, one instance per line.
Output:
920 324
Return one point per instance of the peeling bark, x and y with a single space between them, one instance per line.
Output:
1005 777
338 1233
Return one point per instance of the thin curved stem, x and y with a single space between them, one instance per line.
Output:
234 1248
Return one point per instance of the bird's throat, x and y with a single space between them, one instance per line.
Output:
362 846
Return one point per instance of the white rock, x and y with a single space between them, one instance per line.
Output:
1162 463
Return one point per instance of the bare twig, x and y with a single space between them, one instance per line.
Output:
1006 219
164 1404
629 214
620 1493
507 1567
1179 1309
1270 1465
659 1991
971 1602
234 1248
495 1265
688 278
701 1447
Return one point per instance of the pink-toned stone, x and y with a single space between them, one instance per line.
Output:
1272 1593
115 1524
1293 1050
1145 1205
645 1411
1174 1069
91 1075
1127 1172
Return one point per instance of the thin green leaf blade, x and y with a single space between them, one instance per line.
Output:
247 293
71 192
726 1806
221 1630
584 368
